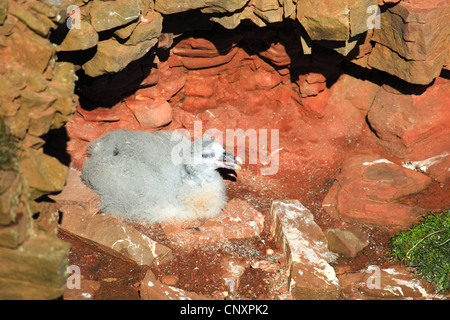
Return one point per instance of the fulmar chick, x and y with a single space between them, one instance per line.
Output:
159 176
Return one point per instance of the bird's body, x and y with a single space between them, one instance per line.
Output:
156 177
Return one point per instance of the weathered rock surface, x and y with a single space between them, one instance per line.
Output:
13 235
151 111
11 190
76 193
79 206
111 56
238 220
305 247
112 233
347 241
44 174
215 6
232 80
86 291
366 190
412 40
135 38
414 127
393 283
36 271
152 289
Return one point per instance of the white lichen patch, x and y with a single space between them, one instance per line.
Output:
423 165
377 162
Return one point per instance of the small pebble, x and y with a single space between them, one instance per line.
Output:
169 280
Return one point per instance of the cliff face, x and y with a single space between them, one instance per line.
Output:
317 71
409 38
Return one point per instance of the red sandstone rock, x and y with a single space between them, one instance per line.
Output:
151 114
266 265
285 54
316 104
169 280
109 231
415 127
79 129
231 271
196 104
85 292
411 41
152 289
305 246
171 80
186 119
198 86
259 79
207 48
311 84
77 151
77 193
238 220
201 62
102 114
80 204
152 78
221 118
395 282
367 188
347 241
354 92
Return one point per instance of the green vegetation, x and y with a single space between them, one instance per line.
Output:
8 148
426 247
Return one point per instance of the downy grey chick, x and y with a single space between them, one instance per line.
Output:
158 176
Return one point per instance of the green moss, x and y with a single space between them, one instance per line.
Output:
426 247
8 148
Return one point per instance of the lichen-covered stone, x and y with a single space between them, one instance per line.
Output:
36 106
3 10
10 191
64 76
15 234
412 126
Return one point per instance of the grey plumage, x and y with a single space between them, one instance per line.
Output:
158 176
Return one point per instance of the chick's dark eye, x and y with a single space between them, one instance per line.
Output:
208 155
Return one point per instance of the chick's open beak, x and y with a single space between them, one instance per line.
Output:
230 161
